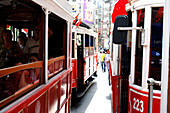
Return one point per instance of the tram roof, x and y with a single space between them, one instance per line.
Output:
60 7
142 3
84 30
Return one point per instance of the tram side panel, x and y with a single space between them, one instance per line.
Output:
74 72
138 101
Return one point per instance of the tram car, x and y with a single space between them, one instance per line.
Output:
35 56
140 58
84 58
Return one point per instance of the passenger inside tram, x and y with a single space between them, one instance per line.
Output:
35 73
17 76
32 75
32 44
8 49
12 83
22 41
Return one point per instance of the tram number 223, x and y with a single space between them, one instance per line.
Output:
138 105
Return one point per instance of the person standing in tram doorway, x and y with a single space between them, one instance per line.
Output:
103 62
107 60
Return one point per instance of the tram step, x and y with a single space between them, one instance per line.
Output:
81 93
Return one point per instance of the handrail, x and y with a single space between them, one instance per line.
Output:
55 59
151 82
10 70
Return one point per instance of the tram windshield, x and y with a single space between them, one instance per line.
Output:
156 44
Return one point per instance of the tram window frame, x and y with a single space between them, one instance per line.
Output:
58 42
26 15
139 49
155 62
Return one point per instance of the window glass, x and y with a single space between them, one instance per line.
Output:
156 44
86 40
87 45
18 47
56 44
95 44
91 41
73 45
139 48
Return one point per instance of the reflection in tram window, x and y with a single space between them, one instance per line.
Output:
156 44
139 48
13 82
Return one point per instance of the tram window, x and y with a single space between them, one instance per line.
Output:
12 83
86 40
91 41
56 37
91 45
94 44
139 49
25 15
57 44
156 44
87 45
73 45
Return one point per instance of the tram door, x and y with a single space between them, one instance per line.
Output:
80 61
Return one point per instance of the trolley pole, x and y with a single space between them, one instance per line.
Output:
151 82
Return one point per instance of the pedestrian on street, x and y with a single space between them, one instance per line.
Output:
103 62
107 62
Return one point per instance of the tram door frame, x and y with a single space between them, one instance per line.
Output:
80 58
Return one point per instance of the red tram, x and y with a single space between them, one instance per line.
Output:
84 58
35 69
138 53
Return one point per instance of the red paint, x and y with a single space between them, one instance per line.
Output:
48 96
114 80
74 72
138 101
90 66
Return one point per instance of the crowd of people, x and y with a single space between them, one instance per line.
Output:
22 49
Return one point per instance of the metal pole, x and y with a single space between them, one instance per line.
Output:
151 82
118 74
150 99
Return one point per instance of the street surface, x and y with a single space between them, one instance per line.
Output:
98 98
